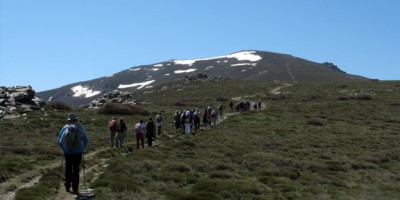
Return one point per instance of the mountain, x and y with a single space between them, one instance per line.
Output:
251 65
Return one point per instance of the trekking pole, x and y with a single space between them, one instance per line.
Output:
59 177
84 174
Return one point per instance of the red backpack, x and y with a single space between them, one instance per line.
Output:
112 126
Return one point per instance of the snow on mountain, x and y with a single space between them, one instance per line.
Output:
243 55
80 91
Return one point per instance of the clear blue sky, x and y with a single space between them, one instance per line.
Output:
50 43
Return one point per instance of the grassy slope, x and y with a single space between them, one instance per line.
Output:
267 155
276 153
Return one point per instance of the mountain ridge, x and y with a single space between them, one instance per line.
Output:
246 64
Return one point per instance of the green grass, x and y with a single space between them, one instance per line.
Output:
279 153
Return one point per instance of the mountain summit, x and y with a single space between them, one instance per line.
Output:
250 65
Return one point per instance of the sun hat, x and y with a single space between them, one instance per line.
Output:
72 117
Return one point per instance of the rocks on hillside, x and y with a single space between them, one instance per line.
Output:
113 97
14 100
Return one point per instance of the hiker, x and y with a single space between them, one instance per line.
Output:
159 122
139 130
220 111
112 127
205 118
231 107
150 131
214 118
259 105
72 139
177 120
187 115
121 133
196 118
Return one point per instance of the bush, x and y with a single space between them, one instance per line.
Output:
315 121
222 99
395 103
343 98
186 102
59 105
122 109
364 97
277 97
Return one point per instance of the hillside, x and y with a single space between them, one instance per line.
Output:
312 141
246 65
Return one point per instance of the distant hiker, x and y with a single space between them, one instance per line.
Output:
187 115
255 107
231 106
240 107
72 139
112 127
121 133
177 121
220 111
159 122
259 105
196 119
139 130
214 118
150 131
205 118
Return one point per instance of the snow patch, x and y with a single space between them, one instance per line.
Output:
141 85
209 67
154 69
80 90
243 64
244 55
158 65
184 71
110 76
135 69
167 74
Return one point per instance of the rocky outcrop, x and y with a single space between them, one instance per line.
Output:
113 97
14 100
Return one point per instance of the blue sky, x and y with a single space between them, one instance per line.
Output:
48 43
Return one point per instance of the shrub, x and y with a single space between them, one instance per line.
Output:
277 97
315 121
186 102
364 97
395 103
343 98
222 99
59 105
122 109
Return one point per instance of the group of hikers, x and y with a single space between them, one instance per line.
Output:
118 131
72 137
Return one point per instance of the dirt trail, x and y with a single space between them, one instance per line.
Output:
31 177
277 90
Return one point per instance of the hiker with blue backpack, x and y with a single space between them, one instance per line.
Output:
72 140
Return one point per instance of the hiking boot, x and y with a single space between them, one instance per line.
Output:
67 188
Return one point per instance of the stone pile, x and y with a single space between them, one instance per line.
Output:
113 97
15 100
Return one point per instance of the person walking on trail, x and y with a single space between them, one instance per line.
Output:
177 121
159 122
231 107
150 131
214 118
72 140
196 119
112 127
139 130
121 133
221 111
187 121
205 118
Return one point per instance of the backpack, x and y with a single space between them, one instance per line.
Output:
213 114
159 119
72 137
119 128
138 128
112 126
